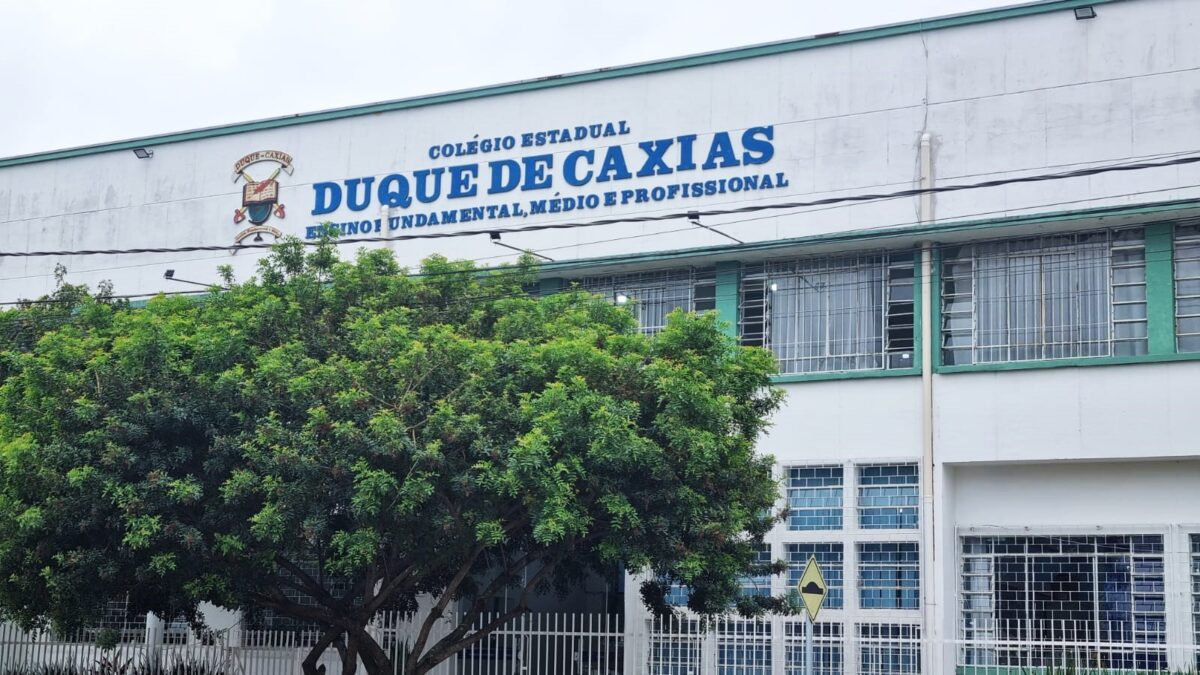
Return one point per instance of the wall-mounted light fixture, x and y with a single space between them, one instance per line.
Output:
495 237
143 153
169 275
1082 13
694 218
622 298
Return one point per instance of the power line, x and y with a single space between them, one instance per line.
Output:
502 272
643 235
753 208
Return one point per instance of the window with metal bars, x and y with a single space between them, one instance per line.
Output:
889 649
829 557
759 585
827 648
814 495
888 496
676 655
678 594
260 621
830 314
744 648
654 295
1187 288
889 575
1051 297
1104 592
116 619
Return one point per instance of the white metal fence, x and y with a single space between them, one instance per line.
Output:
549 643
599 644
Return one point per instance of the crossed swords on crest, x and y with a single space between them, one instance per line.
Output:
240 214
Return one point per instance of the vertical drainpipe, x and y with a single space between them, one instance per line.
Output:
930 573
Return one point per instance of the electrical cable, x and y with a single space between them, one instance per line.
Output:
752 208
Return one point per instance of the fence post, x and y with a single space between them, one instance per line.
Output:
153 639
709 652
778 645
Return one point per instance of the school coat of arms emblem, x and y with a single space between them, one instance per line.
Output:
260 198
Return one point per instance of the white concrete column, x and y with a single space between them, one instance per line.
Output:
636 636
1177 587
154 639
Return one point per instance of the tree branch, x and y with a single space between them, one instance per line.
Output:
314 588
294 610
454 642
444 600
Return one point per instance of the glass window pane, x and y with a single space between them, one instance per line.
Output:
889 575
652 296
829 314
1053 297
1102 595
888 496
829 556
814 498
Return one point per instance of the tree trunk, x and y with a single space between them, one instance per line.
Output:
309 665
372 654
350 656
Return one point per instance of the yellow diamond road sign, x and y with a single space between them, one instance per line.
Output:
813 589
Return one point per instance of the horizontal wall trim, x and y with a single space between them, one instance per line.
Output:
845 375
873 234
724 56
1065 363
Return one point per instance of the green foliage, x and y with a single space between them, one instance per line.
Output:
417 433
127 666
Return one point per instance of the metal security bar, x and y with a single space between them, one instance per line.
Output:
831 557
654 295
814 497
1052 297
1187 288
1195 577
828 648
1040 600
888 497
830 314
889 649
889 575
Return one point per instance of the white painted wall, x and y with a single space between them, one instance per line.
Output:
1008 98
1145 410
843 420
1019 96
1117 496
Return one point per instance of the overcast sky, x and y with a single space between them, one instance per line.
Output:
76 72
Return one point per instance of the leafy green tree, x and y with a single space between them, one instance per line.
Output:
441 434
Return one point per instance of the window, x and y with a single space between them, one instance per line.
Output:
1187 288
827 648
831 314
1104 595
676 647
261 621
759 585
1052 297
678 595
889 649
888 496
814 496
744 648
654 295
118 620
889 575
829 556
